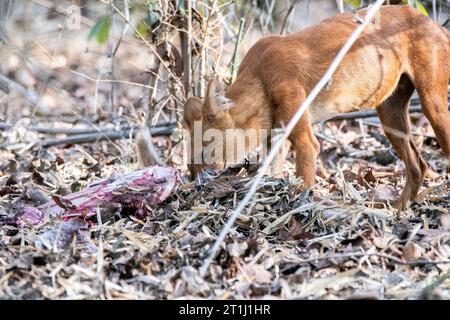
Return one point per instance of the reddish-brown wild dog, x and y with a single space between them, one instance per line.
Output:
401 51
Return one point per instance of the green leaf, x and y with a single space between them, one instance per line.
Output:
143 28
146 25
101 30
418 5
421 8
353 3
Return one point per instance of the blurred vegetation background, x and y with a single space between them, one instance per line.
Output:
135 61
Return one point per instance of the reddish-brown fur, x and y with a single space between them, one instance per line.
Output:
402 51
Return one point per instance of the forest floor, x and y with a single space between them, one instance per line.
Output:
343 241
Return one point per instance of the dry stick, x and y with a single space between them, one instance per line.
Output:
204 57
85 21
288 14
125 28
186 48
149 46
113 59
97 86
368 114
8 85
114 48
72 131
290 126
398 133
62 10
152 98
269 14
153 83
203 62
85 76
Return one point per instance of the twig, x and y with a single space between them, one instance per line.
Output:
97 86
290 126
186 49
85 76
368 114
8 85
148 45
204 57
434 10
125 27
112 56
269 15
71 131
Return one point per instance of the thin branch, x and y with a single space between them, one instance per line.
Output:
112 55
186 49
122 15
236 49
204 48
368 114
434 10
85 76
31 96
376 254
340 4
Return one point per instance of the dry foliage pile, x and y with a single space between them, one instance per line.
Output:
343 240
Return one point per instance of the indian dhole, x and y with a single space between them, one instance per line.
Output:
399 52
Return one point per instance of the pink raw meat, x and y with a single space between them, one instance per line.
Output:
138 190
